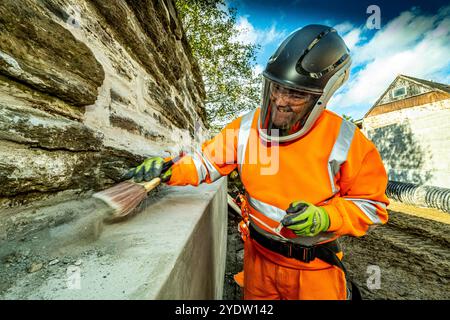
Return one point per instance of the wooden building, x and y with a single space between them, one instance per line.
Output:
410 125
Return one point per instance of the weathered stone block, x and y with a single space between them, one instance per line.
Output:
37 128
39 52
102 58
174 114
158 30
119 18
25 170
133 127
14 93
414 143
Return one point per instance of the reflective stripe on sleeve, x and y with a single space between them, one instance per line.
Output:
368 208
340 150
213 173
201 170
244 133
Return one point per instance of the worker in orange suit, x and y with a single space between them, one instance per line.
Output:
310 176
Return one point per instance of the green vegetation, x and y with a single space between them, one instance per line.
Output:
226 64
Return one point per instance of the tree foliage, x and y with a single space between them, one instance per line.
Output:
348 118
226 64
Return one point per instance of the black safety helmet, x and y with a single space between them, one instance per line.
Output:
299 79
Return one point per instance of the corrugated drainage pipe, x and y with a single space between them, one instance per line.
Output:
427 196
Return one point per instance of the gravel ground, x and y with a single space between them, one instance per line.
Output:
413 256
38 258
235 260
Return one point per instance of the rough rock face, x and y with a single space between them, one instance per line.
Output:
89 88
39 52
37 128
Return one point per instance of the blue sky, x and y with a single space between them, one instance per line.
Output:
413 39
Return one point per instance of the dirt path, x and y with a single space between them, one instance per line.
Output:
427 213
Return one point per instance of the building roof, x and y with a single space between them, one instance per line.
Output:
433 86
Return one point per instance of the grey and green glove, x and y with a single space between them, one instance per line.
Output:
150 169
306 219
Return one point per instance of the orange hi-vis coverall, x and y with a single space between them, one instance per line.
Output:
334 166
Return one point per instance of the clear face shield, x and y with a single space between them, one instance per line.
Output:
284 111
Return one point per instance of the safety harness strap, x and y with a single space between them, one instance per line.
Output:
326 253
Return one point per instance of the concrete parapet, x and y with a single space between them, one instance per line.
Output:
174 249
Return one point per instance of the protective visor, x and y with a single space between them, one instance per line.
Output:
284 111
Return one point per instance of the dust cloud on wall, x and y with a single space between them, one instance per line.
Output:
88 88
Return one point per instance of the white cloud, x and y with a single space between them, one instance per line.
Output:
399 34
350 34
352 38
248 34
344 27
258 69
411 44
272 35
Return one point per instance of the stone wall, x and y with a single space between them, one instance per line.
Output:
414 143
88 88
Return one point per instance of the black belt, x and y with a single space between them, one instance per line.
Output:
325 252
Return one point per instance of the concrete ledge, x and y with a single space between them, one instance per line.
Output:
175 249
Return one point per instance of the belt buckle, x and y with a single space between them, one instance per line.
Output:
296 252
302 253
308 254
289 249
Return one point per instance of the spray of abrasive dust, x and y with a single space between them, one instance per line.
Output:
112 205
84 229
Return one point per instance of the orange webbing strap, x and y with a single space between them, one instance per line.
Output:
239 278
241 201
